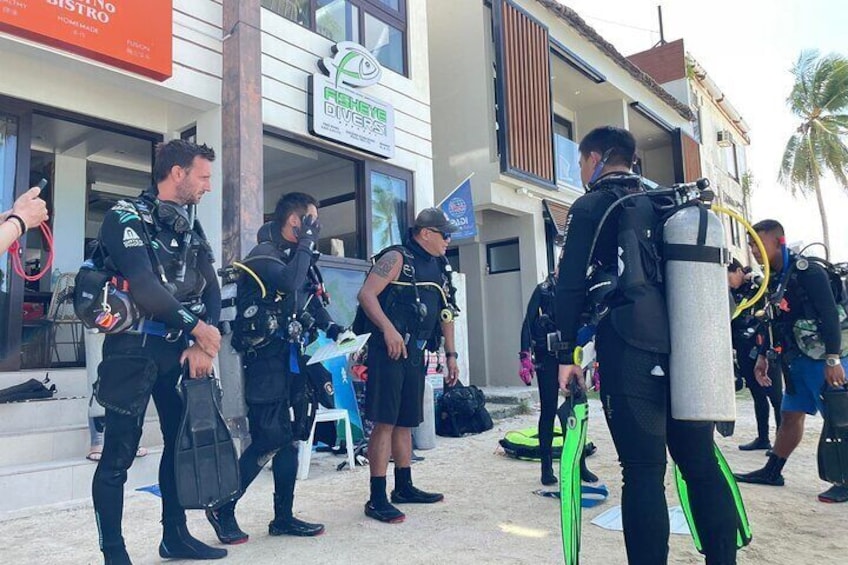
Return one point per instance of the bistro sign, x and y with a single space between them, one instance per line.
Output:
342 114
134 35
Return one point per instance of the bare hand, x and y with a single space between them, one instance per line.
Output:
568 373
395 344
453 372
199 363
761 371
31 209
207 337
835 376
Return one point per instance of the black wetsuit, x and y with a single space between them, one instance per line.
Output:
279 400
124 239
744 331
538 322
631 341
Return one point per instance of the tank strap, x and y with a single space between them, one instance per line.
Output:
697 253
702 225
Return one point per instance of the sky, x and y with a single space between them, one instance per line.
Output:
748 47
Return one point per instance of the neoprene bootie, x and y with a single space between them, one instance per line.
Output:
379 507
406 493
586 475
284 523
759 443
768 475
116 556
178 543
226 527
548 477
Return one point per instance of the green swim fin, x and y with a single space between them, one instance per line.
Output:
573 416
743 527
205 461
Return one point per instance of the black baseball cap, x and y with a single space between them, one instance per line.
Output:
434 218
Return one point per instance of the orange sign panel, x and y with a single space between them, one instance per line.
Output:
135 35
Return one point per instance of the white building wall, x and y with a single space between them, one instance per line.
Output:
290 54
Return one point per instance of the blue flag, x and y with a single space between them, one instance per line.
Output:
459 209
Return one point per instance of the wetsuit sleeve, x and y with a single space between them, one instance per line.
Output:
122 234
816 284
583 220
284 277
212 293
529 318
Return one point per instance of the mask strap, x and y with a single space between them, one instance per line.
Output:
600 166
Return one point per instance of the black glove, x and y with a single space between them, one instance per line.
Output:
334 330
309 230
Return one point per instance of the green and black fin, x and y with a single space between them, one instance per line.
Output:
743 526
573 415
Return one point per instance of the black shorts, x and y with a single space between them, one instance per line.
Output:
394 393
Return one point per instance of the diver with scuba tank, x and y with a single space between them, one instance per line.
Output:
159 254
281 304
537 359
633 346
804 320
745 334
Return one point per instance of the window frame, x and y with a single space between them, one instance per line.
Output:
569 125
388 170
504 243
395 18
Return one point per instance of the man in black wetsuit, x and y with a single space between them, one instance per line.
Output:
145 243
744 333
276 375
539 321
632 346
808 295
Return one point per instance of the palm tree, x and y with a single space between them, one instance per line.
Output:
820 98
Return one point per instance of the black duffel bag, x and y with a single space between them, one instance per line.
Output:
462 410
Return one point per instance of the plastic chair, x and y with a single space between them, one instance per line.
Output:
304 453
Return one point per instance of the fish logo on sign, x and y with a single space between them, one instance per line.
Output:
351 65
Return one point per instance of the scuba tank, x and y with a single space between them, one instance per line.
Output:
701 358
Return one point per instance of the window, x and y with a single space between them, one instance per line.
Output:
364 206
567 156
731 165
378 25
389 210
503 257
452 255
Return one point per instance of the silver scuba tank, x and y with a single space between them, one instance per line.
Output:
701 359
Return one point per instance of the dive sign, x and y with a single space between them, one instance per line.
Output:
345 115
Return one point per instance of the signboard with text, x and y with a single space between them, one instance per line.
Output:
343 114
134 35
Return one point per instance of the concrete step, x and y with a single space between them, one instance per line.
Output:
504 411
25 488
511 394
69 382
48 414
60 443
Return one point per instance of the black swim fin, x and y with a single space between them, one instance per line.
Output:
206 461
743 526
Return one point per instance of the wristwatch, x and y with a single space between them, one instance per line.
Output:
449 354
832 361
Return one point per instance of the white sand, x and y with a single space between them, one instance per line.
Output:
489 515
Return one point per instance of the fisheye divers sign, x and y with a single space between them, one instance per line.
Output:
345 115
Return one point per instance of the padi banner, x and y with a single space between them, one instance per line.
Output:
459 209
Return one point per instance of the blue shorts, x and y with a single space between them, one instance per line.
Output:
807 380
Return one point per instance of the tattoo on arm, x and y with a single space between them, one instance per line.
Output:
383 267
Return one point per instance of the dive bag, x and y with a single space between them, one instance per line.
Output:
462 410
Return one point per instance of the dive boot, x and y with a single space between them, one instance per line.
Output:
759 443
835 494
285 524
116 556
384 512
178 543
769 475
406 493
224 523
548 477
586 475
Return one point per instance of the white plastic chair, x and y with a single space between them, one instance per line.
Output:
305 448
